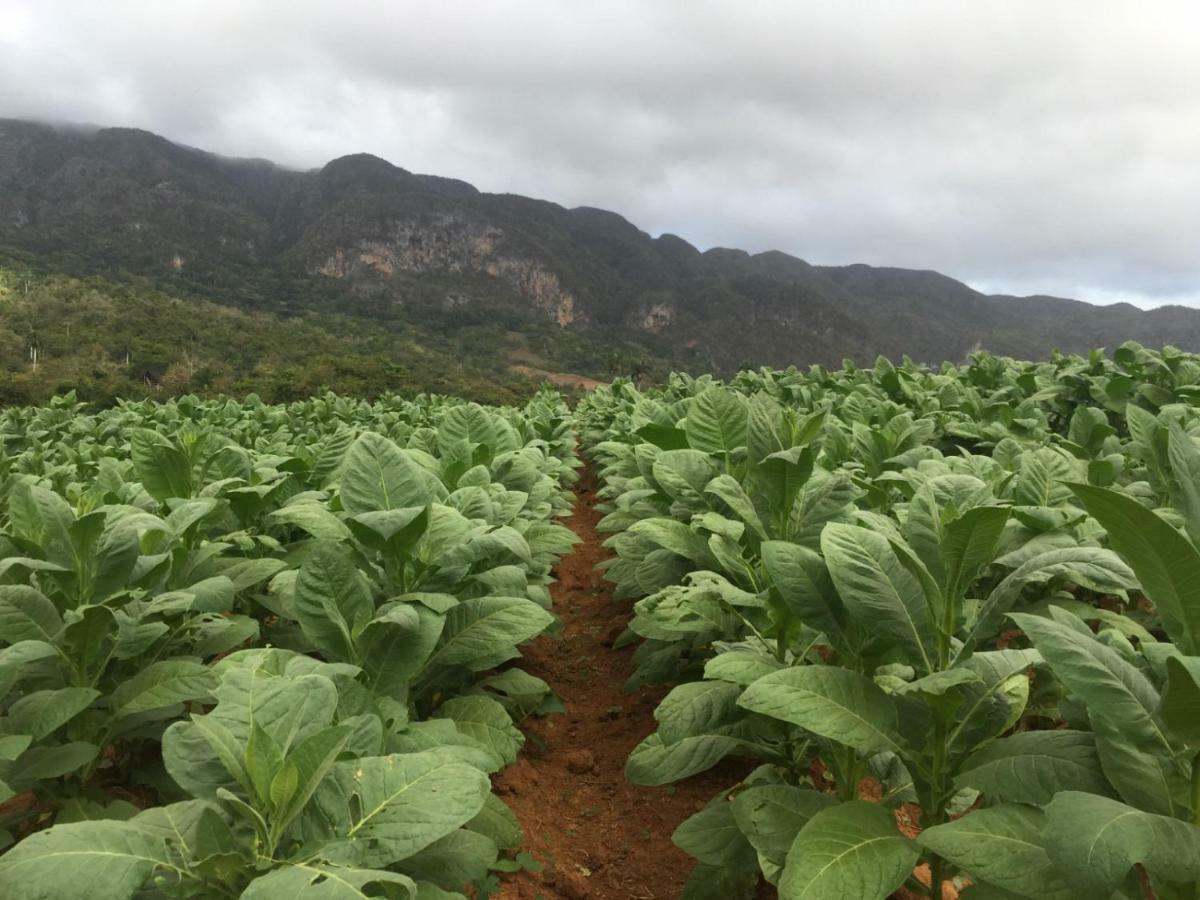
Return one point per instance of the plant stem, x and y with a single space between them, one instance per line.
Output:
937 798
846 774
949 616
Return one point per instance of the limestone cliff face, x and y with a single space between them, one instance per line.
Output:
453 244
657 317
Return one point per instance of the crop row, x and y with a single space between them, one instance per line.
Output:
949 618
253 651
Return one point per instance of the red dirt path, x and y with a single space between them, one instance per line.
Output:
599 836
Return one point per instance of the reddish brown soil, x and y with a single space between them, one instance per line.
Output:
560 379
599 836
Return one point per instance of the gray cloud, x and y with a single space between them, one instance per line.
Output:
1025 147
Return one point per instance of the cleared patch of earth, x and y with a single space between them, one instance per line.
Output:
558 379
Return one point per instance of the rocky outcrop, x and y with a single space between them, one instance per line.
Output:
656 318
453 244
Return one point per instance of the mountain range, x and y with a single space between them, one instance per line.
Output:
373 260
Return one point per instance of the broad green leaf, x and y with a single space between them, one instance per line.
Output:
263 761
314 518
402 803
652 762
765 428
162 684
311 760
246 573
835 703
771 815
178 822
322 881
160 466
204 757
1034 482
102 860
1002 846
27 614
993 706
60 536
674 536
187 514
41 712
1093 567
663 436
925 530
485 720
1184 460
1096 841
1089 427
1032 766
393 531
20 654
80 809
1146 777
1181 699
731 491
499 823
824 498
782 476
443 736
207 753
695 708
970 544
392 655
40 762
683 474
331 601
717 421
878 589
940 683
288 707
461 857
377 475
803 582
482 626
1099 676
741 667
520 692
851 850
712 836
13 745
1166 563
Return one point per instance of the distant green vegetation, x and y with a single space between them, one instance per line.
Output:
106 340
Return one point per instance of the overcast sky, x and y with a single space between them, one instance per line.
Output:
1040 147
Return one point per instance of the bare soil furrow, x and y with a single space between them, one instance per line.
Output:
599 836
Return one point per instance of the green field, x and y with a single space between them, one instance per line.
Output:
943 623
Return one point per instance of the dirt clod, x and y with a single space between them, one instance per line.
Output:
573 886
581 762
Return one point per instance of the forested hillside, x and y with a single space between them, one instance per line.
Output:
383 270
